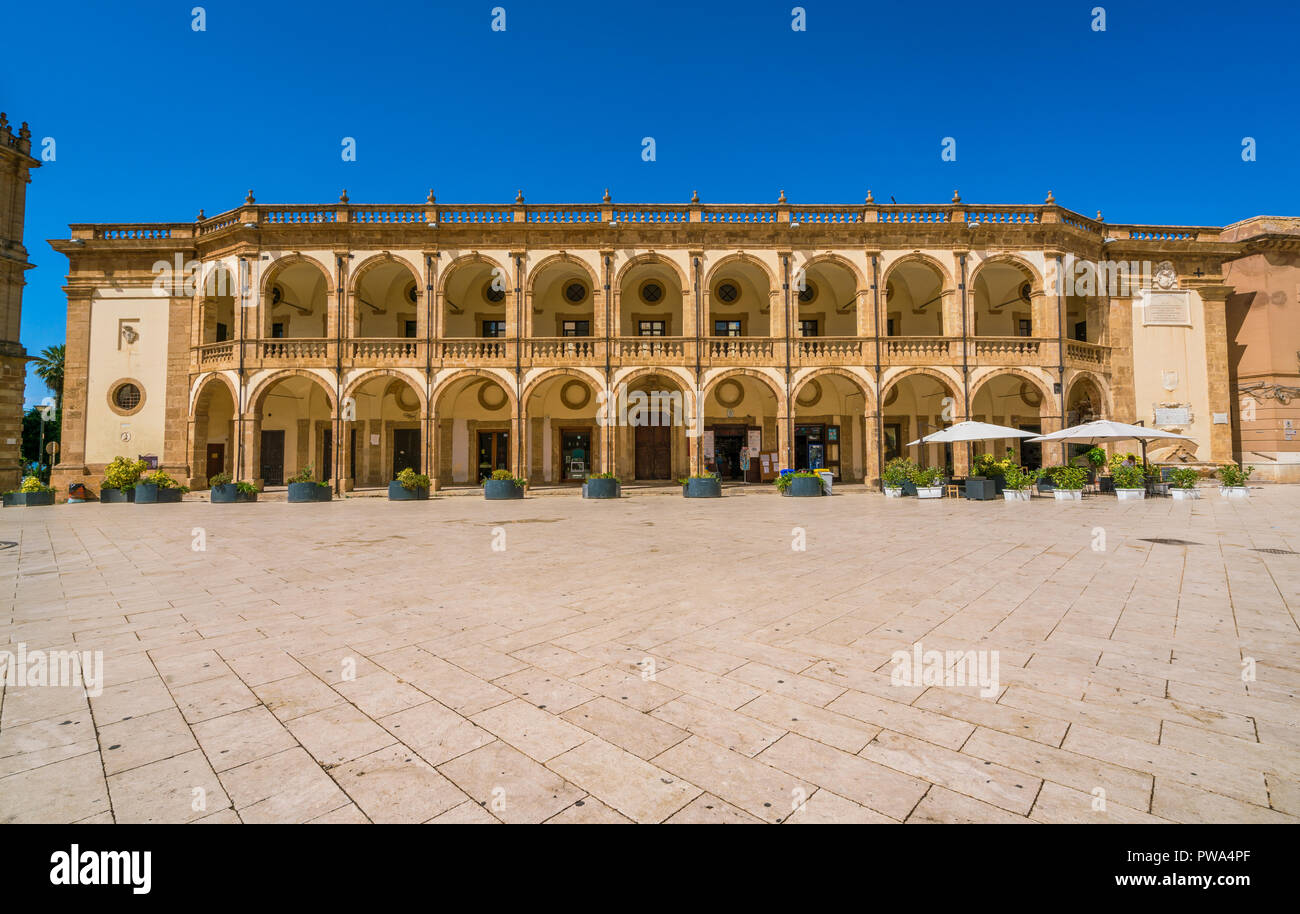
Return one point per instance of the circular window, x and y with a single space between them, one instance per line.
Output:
410 293
126 397
728 292
493 293
729 393
575 395
575 292
651 292
808 294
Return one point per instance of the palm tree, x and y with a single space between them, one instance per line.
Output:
49 368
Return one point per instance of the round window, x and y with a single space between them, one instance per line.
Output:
127 396
652 292
728 292
575 292
410 293
808 293
493 293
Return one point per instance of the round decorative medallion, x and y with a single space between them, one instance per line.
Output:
652 291
405 398
491 396
728 292
1030 394
729 393
493 293
810 394
891 396
575 394
575 292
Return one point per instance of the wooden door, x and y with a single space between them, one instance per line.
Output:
653 452
216 459
273 457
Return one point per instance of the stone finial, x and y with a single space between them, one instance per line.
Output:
782 197
4 121
200 217
250 199
1099 219
519 197
956 197
1050 199
431 198
24 131
343 197
695 196
870 199
605 199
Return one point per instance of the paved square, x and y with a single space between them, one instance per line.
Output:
657 659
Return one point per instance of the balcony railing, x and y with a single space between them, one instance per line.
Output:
922 350
739 350
660 350
565 350
376 351
1008 350
834 350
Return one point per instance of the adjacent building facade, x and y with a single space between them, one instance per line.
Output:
16 163
647 341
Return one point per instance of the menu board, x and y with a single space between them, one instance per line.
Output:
755 441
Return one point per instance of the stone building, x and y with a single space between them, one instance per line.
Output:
651 341
16 163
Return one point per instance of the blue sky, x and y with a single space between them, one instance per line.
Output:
153 120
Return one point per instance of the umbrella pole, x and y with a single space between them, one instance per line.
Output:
1144 454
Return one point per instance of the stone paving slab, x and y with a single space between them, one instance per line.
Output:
654 659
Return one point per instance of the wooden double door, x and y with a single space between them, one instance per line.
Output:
654 452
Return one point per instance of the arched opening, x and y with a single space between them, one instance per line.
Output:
830 426
295 304
384 434
218 309
741 423
1004 301
386 302
565 443
291 429
213 428
1084 402
827 296
914 406
651 305
650 420
475 428
563 303
739 305
914 301
1016 402
476 304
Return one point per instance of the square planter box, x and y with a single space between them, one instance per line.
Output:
501 489
1130 494
805 487
301 492
147 493
1185 494
229 494
1234 491
1068 494
399 492
929 491
893 491
703 488
601 488
28 499
980 488
1017 494
116 496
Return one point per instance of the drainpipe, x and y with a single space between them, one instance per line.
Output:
430 429
243 324
609 431
338 376
699 373
1060 352
789 411
880 417
965 356
519 368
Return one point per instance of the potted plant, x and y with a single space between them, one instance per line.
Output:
1019 483
601 485
1184 480
1130 482
503 484
303 487
225 492
1069 483
928 482
1233 479
896 472
1047 480
803 484
30 494
986 466
409 486
158 487
120 478
707 485
1096 459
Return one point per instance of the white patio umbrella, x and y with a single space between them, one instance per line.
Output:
972 431
1105 430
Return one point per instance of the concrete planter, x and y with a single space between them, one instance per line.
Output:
703 488
1130 494
116 496
1234 491
501 489
229 494
399 492
28 499
1185 494
1068 494
893 491
805 487
929 491
1017 494
301 492
148 493
601 488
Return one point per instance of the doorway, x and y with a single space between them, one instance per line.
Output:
273 457
216 459
653 452
493 453
1031 452
730 442
809 447
406 450
575 454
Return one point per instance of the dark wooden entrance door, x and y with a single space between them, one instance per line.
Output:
653 452
216 459
493 453
273 457
406 450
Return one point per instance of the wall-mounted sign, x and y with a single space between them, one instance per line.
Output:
1178 415
755 442
1167 309
1220 418
706 442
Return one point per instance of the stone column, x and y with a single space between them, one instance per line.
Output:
76 377
1214 301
